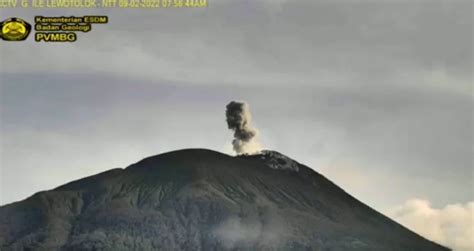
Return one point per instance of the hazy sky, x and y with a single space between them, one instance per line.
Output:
375 95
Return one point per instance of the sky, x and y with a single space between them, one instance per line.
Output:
375 95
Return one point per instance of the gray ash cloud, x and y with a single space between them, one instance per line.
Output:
239 120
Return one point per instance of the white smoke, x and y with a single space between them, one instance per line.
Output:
452 225
239 120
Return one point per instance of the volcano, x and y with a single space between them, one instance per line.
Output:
197 199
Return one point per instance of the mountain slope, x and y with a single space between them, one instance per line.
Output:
202 200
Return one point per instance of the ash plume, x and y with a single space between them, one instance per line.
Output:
239 119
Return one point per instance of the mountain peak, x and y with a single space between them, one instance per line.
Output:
199 199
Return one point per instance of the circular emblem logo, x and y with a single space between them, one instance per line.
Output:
15 29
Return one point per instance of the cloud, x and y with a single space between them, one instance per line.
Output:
452 225
251 231
297 42
233 231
